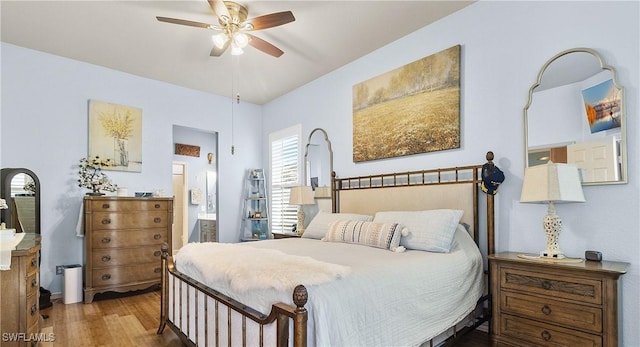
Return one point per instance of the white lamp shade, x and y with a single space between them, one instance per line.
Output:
301 195
552 182
323 192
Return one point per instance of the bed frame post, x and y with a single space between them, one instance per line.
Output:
164 289
491 240
300 297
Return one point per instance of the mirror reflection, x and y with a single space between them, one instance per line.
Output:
575 114
21 190
318 157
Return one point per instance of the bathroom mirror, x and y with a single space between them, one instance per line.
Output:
318 158
21 190
575 114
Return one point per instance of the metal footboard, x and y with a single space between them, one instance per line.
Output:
201 316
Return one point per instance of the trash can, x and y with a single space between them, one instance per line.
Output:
72 285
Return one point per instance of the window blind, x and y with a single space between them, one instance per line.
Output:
284 160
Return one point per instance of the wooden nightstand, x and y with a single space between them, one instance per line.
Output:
539 303
284 236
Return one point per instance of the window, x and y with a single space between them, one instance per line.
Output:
284 160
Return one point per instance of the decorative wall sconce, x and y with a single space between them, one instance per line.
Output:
210 157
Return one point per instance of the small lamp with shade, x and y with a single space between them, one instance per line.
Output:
552 183
301 195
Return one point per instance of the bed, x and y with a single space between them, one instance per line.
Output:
363 290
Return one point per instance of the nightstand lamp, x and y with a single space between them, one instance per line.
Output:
552 183
301 195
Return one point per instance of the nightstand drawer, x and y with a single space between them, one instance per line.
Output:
552 311
541 334
549 284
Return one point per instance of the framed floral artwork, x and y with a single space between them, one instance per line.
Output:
115 134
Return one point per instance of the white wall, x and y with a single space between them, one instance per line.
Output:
44 128
504 44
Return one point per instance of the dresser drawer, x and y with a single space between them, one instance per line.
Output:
32 284
32 263
540 334
126 274
128 238
107 257
32 313
548 284
129 220
552 311
207 225
130 205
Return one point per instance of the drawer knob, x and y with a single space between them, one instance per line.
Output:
105 206
34 283
157 270
156 205
546 335
34 309
34 262
106 239
106 258
106 277
157 253
157 220
546 310
546 285
157 236
106 221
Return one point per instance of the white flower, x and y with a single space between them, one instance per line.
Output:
3 204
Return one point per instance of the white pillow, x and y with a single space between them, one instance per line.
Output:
320 223
430 230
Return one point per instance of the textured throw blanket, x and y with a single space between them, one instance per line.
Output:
247 268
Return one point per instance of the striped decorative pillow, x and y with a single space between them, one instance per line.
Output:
380 235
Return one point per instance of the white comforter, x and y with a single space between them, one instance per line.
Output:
388 299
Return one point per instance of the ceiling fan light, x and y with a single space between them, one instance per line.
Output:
236 50
240 40
220 39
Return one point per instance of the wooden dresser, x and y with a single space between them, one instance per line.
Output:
19 293
123 236
539 303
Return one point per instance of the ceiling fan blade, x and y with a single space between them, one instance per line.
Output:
216 52
270 20
265 46
219 8
185 22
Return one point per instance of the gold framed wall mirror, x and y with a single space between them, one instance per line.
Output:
21 190
575 114
318 171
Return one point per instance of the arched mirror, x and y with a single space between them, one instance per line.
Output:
575 114
21 190
318 158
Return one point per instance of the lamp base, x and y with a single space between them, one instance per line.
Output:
549 259
552 254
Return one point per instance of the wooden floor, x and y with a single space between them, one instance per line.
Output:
131 320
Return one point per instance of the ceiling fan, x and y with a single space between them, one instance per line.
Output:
234 28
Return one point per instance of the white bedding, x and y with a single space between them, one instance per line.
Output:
388 298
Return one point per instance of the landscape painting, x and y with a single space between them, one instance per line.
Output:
410 110
115 133
602 104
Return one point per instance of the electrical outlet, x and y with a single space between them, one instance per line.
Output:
59 269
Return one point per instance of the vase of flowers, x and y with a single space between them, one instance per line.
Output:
92 177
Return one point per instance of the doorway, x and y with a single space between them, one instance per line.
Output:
194 184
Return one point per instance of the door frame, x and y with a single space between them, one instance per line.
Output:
185 206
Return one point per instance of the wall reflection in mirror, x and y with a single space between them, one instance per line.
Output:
575 114
21 190
318 158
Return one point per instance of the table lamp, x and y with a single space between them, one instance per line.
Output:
301 195
552 183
